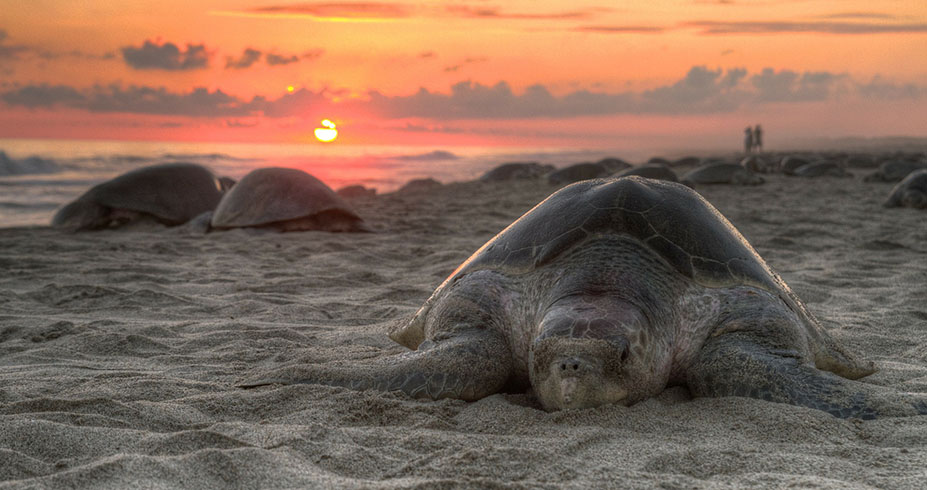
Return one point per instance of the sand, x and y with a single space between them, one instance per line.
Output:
120 352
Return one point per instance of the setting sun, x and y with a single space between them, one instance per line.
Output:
328 133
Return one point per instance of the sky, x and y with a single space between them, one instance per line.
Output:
470 72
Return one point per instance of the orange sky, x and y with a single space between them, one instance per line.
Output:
575 73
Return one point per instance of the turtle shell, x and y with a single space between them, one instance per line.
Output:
674 221
273 195
174 193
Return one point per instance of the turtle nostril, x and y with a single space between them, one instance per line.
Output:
563 366
575 366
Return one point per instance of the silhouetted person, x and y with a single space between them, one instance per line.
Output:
758 139
748 140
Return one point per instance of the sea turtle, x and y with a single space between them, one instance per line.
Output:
170 194
607 292
721 173
821 169
910 192
516 170
651 171
284 199
613 164
791 163
577 172
894 170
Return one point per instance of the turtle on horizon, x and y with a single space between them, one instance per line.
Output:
170 194
609 291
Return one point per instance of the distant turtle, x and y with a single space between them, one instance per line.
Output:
651 171
754 164
608 292
721 173
284 199
419 185
821 169
894 170
355 191
577 172
910 192
613 164
170 194
659 161
516 170
791 163
686 162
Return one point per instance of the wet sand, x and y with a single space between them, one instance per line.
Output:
120 352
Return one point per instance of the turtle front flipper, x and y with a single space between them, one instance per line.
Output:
468 366
747 364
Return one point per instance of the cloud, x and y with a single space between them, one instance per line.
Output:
881 89
859 15
789 86
762 27
274 59
248 57
8 51
345 10
43 96
467 11
466 61
622 29
167 56
701 91
251 56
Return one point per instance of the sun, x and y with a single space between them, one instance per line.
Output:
328 133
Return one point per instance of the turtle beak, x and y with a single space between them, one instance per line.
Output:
568 389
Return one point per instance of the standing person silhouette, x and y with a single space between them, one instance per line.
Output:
748 140
758 139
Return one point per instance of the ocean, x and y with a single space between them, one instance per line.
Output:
38 176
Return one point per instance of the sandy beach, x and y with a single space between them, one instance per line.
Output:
120 352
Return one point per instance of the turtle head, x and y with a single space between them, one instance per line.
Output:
595 350
579 373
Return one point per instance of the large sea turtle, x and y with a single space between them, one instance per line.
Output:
910 192
170 194
285 199
607 292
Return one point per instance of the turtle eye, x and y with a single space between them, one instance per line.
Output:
625 353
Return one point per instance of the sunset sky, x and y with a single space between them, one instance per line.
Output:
537 72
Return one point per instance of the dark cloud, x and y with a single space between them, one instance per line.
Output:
349 10
881 89
248 57
761 27
702 90
146 100
274 59
790 86
43 96
466 61
10 51
251 56
167 56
